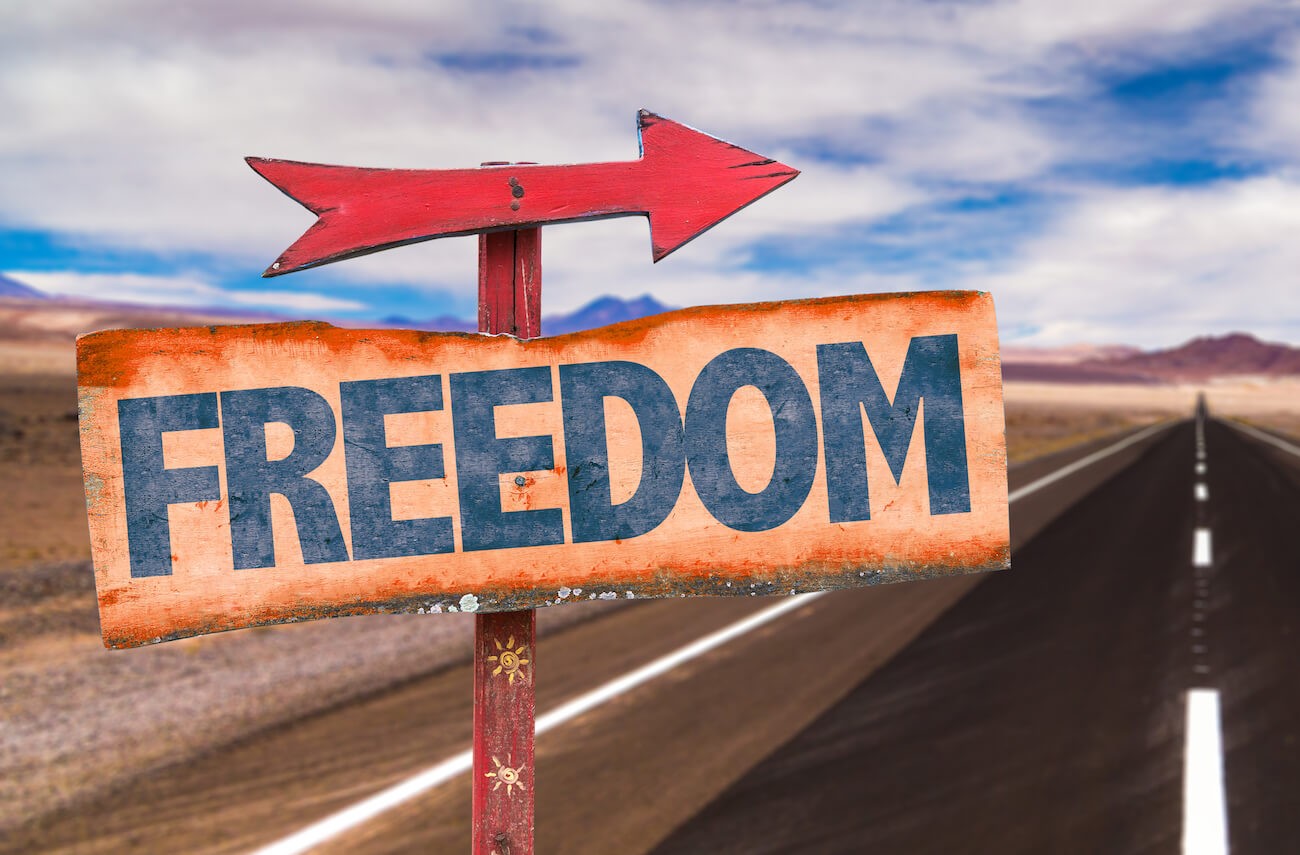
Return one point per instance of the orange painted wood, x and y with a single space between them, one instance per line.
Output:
505 643
685 182
693 550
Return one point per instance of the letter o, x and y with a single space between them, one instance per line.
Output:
793 421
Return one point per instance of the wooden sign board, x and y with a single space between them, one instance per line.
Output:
261 474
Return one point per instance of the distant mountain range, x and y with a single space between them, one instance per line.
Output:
1211 356
1233 355
29 313
598 313
14 288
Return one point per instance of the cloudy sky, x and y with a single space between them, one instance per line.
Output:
1111 170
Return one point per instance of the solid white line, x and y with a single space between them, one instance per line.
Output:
337 823
1201 548
1205 815
1085 462
663 665
1267 437
365 810
1202 492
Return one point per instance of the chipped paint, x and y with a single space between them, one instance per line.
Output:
690 553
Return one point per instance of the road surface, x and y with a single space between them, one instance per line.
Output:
1045 712
1078 650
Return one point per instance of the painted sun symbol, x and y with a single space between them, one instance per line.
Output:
510 659
508 775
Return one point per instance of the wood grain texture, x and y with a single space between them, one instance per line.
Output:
685 182
505 643
505 707
741 482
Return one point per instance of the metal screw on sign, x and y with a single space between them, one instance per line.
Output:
685 183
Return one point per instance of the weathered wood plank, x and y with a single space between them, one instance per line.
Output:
685 182
292 471
505 643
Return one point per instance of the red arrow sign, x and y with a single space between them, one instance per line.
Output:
686 182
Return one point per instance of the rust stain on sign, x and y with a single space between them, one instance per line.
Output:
259 474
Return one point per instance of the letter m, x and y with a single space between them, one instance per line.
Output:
852 396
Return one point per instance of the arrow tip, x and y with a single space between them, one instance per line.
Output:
702 180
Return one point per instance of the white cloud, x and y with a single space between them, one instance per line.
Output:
128 122
126 125
174 291
1162 264
1275 125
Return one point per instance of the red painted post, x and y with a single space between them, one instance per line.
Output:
510 299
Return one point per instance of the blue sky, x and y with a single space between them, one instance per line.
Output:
1115 171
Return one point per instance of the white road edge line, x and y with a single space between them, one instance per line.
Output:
367 809
1205 815
1084 462
1201 556
1266 437
363 811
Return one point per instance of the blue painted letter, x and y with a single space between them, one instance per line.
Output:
849 385
481 459
251 478
150 486
706 439
583 389
373 466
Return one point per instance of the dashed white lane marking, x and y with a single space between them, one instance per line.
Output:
1202 492
351 817
1205 816
1201 548
1200 469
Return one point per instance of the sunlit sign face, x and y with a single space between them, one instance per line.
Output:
245 475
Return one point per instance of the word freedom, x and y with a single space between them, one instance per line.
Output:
673 442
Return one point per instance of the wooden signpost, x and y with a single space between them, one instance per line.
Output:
257 474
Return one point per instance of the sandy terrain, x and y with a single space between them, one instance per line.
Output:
76 718
1033 408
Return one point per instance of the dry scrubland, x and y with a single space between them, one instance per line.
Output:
76 717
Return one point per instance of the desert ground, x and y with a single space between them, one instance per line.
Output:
76 718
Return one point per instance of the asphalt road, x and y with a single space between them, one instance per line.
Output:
1045 712
622 777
